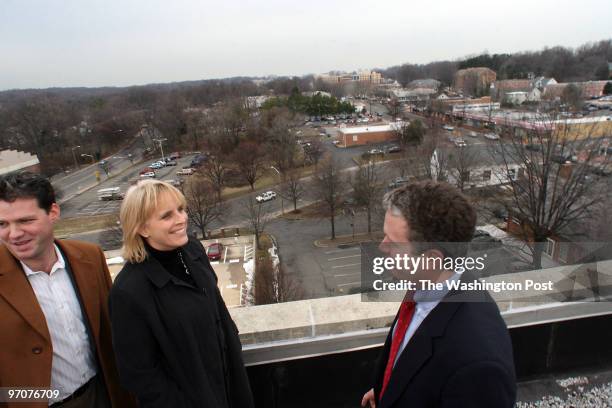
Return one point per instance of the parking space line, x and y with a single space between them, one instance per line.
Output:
214 263
225 254
345 266
347 274
350 283
234 260
344 257
340 250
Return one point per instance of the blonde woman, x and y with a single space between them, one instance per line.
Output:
175 342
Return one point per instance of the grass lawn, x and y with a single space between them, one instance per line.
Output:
69 226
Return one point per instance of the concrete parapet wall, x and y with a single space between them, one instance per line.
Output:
339 324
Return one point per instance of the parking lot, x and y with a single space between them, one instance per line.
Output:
230 268
340 267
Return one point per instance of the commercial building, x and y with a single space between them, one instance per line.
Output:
371 77
364 135
15 161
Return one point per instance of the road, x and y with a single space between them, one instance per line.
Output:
87 203
70 185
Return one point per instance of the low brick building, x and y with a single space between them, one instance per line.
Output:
363 135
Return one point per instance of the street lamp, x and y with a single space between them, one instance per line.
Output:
161 147
280 183
76 164
90 156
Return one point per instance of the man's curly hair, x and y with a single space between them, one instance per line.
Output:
436 212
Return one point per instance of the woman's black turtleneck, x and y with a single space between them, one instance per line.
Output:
171 262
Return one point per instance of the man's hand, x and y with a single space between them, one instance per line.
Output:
368 399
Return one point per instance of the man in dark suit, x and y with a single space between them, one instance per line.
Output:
55 327
446 348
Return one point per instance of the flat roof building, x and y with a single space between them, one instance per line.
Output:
363 135
13 161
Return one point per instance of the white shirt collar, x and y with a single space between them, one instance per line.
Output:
59 264
428 299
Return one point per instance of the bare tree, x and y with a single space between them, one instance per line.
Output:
215 170
249 161
425 160
555 188
314 151
292 189
572 97
282 144
460 162
203 205
274 285
328 185
367 189
257 216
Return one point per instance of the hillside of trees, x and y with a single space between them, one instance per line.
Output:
585 63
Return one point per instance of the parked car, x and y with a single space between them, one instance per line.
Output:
148 174
267 196
601 170
460 142
473 134
175 155
533 147
110 193
397 182
157 165
564 158
482 240
171 163
375 151
214 251
394 149
185 172
448 127
175 182
492 136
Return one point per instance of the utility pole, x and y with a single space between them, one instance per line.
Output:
280 186
76 164
161 147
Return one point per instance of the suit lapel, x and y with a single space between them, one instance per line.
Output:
418 350
16 289
81 271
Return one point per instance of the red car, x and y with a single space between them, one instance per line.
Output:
214 251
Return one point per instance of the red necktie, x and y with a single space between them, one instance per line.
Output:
403 321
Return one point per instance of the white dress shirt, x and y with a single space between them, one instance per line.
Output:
425 302
73 362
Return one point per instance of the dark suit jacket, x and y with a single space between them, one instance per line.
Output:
460 356
176 344
25 344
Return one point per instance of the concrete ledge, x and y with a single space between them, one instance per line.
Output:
339 324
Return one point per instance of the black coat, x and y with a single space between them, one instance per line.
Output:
460 356
176 344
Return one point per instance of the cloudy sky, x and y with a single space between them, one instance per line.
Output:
46 43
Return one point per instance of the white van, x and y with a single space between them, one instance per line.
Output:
111 193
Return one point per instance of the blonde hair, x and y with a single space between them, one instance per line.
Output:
138 205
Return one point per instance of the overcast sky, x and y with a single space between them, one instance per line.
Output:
46 43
